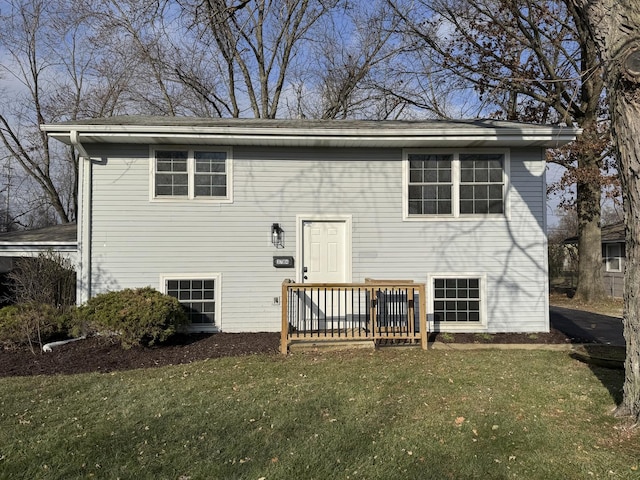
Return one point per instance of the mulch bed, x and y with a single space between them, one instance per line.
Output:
99 354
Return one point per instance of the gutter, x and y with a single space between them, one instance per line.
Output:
320 130
285 133
83 281
27 249
74 138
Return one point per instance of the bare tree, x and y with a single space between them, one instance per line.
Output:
256 41
133 43
614 26
350 66
23 40
352 57
62 62
529 61
45 69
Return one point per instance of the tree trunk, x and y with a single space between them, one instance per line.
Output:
590 286
615 25
625 105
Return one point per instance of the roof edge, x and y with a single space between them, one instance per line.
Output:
307 132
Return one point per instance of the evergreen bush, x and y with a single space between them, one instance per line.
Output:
141 316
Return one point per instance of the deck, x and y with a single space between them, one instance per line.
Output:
376 310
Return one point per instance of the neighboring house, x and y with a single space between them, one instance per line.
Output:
613 257
29 243
219 212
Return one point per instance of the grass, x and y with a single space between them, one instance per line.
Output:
484 336
396 413
447 337
609 306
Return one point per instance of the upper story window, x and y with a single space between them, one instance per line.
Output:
192 174
430 184
455 184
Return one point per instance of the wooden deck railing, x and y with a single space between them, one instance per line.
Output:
375 310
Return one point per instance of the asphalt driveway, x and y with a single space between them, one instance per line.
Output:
592 327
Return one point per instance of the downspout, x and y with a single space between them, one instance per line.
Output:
545 235
83 281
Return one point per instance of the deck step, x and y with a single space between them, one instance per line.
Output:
307 345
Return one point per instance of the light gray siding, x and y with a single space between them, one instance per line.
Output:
135 240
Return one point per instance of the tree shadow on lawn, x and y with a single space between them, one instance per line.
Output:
598 341
607 364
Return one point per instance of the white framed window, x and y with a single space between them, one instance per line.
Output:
199 294
440 184
191 173
459 302
613 253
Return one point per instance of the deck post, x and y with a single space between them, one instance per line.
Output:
284 305
411 311
423 316
373 311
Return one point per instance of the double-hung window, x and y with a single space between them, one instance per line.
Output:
430 184
202 174
455 184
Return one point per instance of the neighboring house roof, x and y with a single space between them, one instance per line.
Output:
308 133
58 238
613 233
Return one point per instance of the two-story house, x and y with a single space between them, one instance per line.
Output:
218 212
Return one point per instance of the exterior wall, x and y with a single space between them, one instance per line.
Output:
613 284
135 241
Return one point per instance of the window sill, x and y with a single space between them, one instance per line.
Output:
451 218
190 200
462 327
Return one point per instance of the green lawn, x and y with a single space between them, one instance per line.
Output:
394 413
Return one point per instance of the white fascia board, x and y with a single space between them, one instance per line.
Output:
316 137
40 246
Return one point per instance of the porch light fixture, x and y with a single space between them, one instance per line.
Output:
277 235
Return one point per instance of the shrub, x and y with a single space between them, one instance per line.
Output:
32 324
48 278
141 316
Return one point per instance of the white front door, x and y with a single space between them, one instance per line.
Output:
324 252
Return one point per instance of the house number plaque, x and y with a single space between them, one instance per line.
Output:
283 262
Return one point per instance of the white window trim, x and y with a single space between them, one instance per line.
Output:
190 173
455 177
453 327
217 278
609 257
